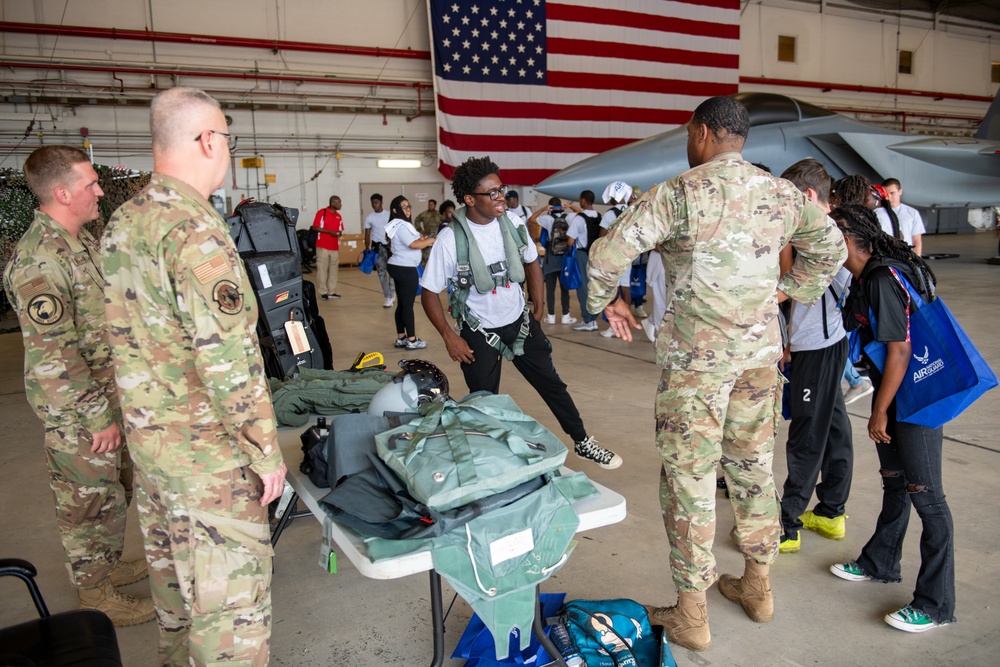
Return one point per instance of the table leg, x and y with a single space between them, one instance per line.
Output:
538 625
437 619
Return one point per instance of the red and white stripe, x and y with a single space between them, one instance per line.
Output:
615 76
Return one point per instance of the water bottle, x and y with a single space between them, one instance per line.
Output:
564 644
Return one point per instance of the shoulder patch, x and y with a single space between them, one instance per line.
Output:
227 294
33 287
45 309
210 269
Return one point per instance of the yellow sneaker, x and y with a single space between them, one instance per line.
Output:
831 529
789 546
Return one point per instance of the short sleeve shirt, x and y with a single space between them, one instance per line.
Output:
494 309
402 234
377 222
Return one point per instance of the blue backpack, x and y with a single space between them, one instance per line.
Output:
615 633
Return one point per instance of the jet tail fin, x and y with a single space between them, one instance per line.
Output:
990 127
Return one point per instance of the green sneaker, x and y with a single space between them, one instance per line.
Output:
790 546
909 619
831 529
849 571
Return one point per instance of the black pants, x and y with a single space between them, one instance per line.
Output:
911 478
819 437
550 294
407 280
535 365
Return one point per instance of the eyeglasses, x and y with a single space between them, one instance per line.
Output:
404 206
231 140
494 194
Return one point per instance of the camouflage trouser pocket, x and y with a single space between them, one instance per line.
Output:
232 562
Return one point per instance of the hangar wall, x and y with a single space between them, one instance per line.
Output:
301 109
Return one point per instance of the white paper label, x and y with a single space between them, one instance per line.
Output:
511 546
265 277
297 337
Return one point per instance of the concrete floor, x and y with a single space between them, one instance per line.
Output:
345 619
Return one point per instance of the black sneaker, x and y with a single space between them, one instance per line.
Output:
590 450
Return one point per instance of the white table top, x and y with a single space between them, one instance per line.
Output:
594 512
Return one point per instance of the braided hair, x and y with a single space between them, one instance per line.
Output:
859 222
852 189
893 218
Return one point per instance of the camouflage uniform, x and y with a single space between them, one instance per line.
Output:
197 412
56 287
720 227
427 224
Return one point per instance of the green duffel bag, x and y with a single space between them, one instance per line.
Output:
462 451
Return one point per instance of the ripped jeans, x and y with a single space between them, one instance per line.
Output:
911 475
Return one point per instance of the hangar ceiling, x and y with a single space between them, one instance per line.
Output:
979 11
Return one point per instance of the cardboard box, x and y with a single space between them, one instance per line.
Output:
351 246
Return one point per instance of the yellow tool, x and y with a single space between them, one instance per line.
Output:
368 360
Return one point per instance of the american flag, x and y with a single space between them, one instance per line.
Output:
541 85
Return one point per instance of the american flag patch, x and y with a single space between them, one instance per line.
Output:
30 289
211 269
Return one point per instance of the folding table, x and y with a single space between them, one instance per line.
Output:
601 510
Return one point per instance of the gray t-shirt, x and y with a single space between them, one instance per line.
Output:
805 328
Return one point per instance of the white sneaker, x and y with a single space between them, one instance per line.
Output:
568 319
860 391
639 312
608 333
586 326
416 344
389 303
650 330
550 319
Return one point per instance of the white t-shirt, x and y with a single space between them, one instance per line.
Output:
520 211
401 234
377 222
578 231
496 308
609 217
910 222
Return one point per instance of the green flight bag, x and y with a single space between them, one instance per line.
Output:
462 451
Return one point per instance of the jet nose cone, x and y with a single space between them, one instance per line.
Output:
642 163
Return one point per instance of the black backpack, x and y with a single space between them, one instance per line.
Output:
593 227
559 238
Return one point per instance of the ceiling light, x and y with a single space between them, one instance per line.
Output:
399 164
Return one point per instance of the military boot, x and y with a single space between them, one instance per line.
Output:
123 610
686 623
752 591
127 572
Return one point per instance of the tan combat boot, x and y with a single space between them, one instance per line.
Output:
686 623
122 609
127 572
752 591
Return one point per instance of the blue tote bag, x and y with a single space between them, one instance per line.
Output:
367 264
569 277
946 373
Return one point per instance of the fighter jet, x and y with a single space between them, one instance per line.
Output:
946 172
